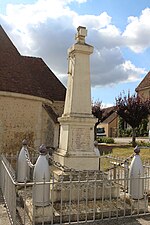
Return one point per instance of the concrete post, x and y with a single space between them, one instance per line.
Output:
136 183
41 173
23 169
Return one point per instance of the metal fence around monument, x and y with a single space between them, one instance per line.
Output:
118 167
79 197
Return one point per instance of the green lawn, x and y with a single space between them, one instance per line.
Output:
124 153
127 151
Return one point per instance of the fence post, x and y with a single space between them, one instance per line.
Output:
41 174
115 172
126 174
136 172
23 169
97 152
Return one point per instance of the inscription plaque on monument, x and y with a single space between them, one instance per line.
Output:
80 139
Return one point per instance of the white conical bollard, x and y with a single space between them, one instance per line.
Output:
23 169
136 172
96 150
41 173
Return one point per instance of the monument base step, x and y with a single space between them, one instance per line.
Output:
82 162
73 211
77 186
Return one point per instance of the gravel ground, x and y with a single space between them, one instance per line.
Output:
4 220
143 220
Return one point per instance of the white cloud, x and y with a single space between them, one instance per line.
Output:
46 29
109 68
137 32
81 1
92 21
22 15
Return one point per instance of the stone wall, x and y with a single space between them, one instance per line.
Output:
145 93
58 107
113 126
49 131
22 116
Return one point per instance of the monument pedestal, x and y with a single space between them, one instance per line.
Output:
76 149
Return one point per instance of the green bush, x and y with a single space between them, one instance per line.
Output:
143 143
141 131
106 140
126 133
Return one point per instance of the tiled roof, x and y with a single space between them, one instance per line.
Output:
110 118
26 75
51 112
106 112
145 83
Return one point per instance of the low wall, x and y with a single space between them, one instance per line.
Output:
105 149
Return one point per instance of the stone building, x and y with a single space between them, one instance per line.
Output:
143 89
31 99
109 126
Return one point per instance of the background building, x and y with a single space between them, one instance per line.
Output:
109 126
31 99
143 89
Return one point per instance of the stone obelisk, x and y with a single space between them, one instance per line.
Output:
76 148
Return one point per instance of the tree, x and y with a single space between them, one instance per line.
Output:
133 109
97 112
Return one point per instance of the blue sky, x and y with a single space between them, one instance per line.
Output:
118 30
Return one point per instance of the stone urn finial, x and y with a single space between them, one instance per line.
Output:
81 34
137 150
43 149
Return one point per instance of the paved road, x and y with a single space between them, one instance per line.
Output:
127 140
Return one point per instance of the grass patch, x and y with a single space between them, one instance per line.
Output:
143 143
127 151
123 153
